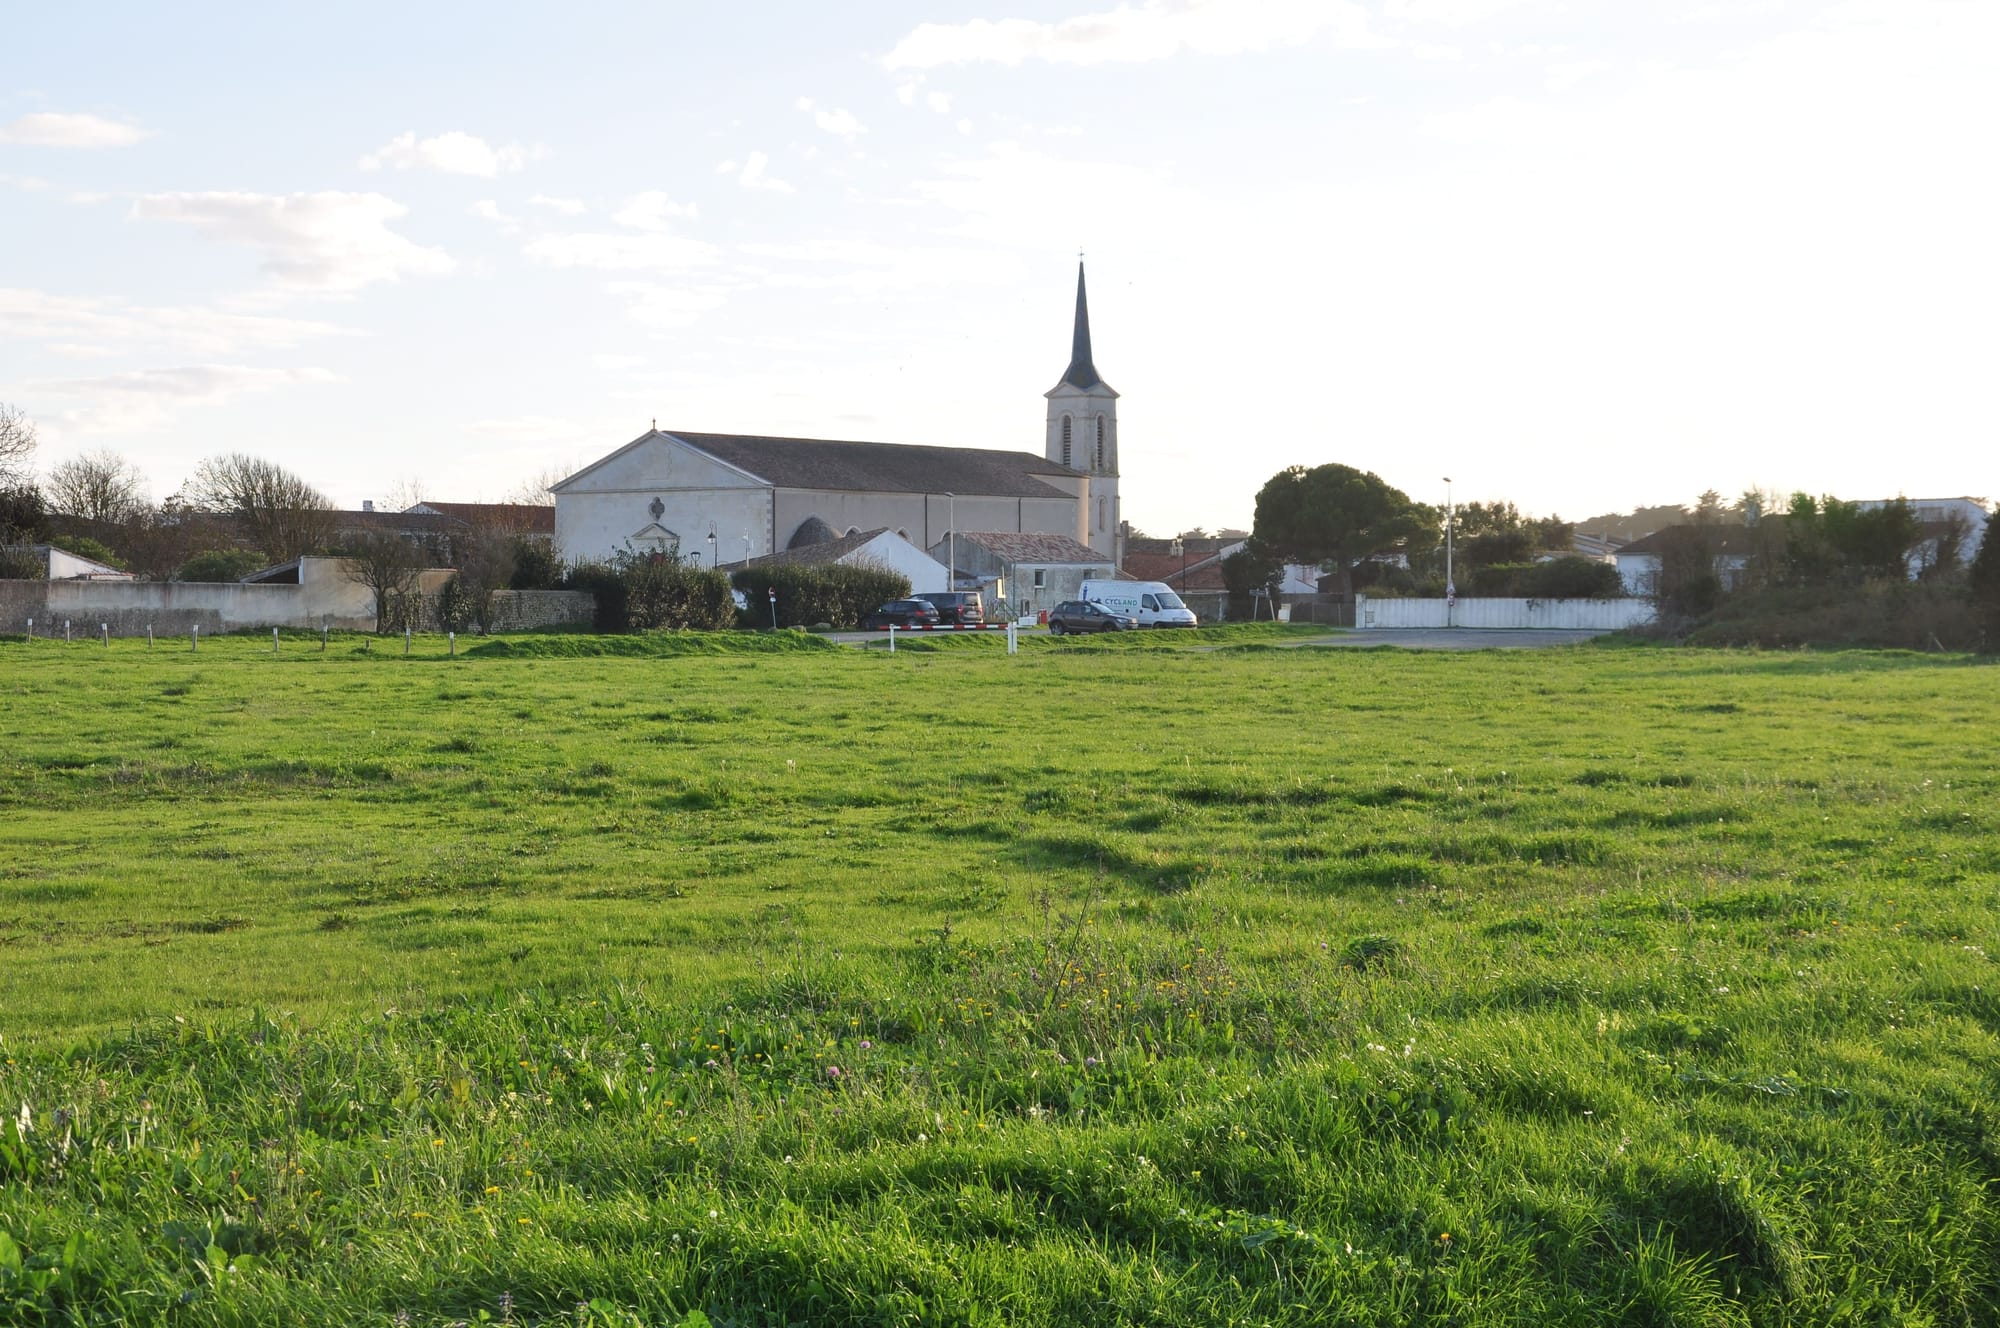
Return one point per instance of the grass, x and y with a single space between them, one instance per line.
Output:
1098 985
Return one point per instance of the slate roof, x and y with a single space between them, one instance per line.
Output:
1015 547
1722 539
825 463
813 555
1081 372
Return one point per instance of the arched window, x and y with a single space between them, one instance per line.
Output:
1104 514
1065 440
1100 443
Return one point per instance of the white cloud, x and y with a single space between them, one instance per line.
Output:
836 121
26 183
329 242
526 428
1451 13
646 251
488 210
664 307
87 325
569 207
752 174
906 93
51 129
652 210
453 152
1155 30
939 102
149 398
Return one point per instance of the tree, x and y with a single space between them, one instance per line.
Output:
534 490
1336 516
21 514
1247 573
275 509
17 445
220 565
100 487
1984 582
387 564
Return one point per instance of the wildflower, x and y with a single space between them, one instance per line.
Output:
866 1045
713 1213
833 1072
1090 1062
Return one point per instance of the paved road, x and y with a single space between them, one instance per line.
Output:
1411 638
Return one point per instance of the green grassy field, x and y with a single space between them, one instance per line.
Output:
1181 980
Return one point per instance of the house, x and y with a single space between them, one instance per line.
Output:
1941 523
872 548
734 497
1640 561
1024 573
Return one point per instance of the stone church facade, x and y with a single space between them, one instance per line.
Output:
723 498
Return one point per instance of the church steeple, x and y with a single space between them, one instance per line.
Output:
1083 436
1081 372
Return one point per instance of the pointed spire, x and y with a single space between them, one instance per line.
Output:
1081 372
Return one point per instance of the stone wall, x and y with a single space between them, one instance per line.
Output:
540 610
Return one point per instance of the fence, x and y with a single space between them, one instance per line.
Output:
1546 614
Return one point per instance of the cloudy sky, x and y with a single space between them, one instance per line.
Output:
1580 254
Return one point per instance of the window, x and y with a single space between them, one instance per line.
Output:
1104 514
1100 443
1041 577
1065 439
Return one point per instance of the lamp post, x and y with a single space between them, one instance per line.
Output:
1450 520
951 541
711 545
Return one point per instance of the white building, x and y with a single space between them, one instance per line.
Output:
724 498
871 548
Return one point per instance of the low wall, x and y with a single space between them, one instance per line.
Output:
1553 614
539 610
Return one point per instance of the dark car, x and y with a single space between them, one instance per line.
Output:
902 613
959 607
1082 615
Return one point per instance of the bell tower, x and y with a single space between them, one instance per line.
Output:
1083 435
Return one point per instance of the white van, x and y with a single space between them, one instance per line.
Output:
1151 602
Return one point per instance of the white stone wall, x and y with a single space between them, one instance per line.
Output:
599 510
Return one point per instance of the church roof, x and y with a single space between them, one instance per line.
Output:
1081 372
823 463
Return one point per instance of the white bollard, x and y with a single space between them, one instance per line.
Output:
892 638
105 630
406 643
323 628
31 629
274 643
149 636
194 637
65 631
451 643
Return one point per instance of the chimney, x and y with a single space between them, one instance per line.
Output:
367 504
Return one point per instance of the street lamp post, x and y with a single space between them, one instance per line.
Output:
951 541
711 545
1450 520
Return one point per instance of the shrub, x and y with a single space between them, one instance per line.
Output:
662 592
1887 614
19 564
221 565
838 594
1983 582
536 565
85 547
601 581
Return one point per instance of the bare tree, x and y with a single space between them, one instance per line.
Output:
100 487
533 491
387 564
17 445
278 512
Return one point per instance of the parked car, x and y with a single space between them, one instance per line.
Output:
959 607
1080 615
902 613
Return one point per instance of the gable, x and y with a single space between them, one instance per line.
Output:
656 461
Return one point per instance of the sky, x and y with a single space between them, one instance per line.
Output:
1581 255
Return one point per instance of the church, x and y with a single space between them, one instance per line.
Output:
723 498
